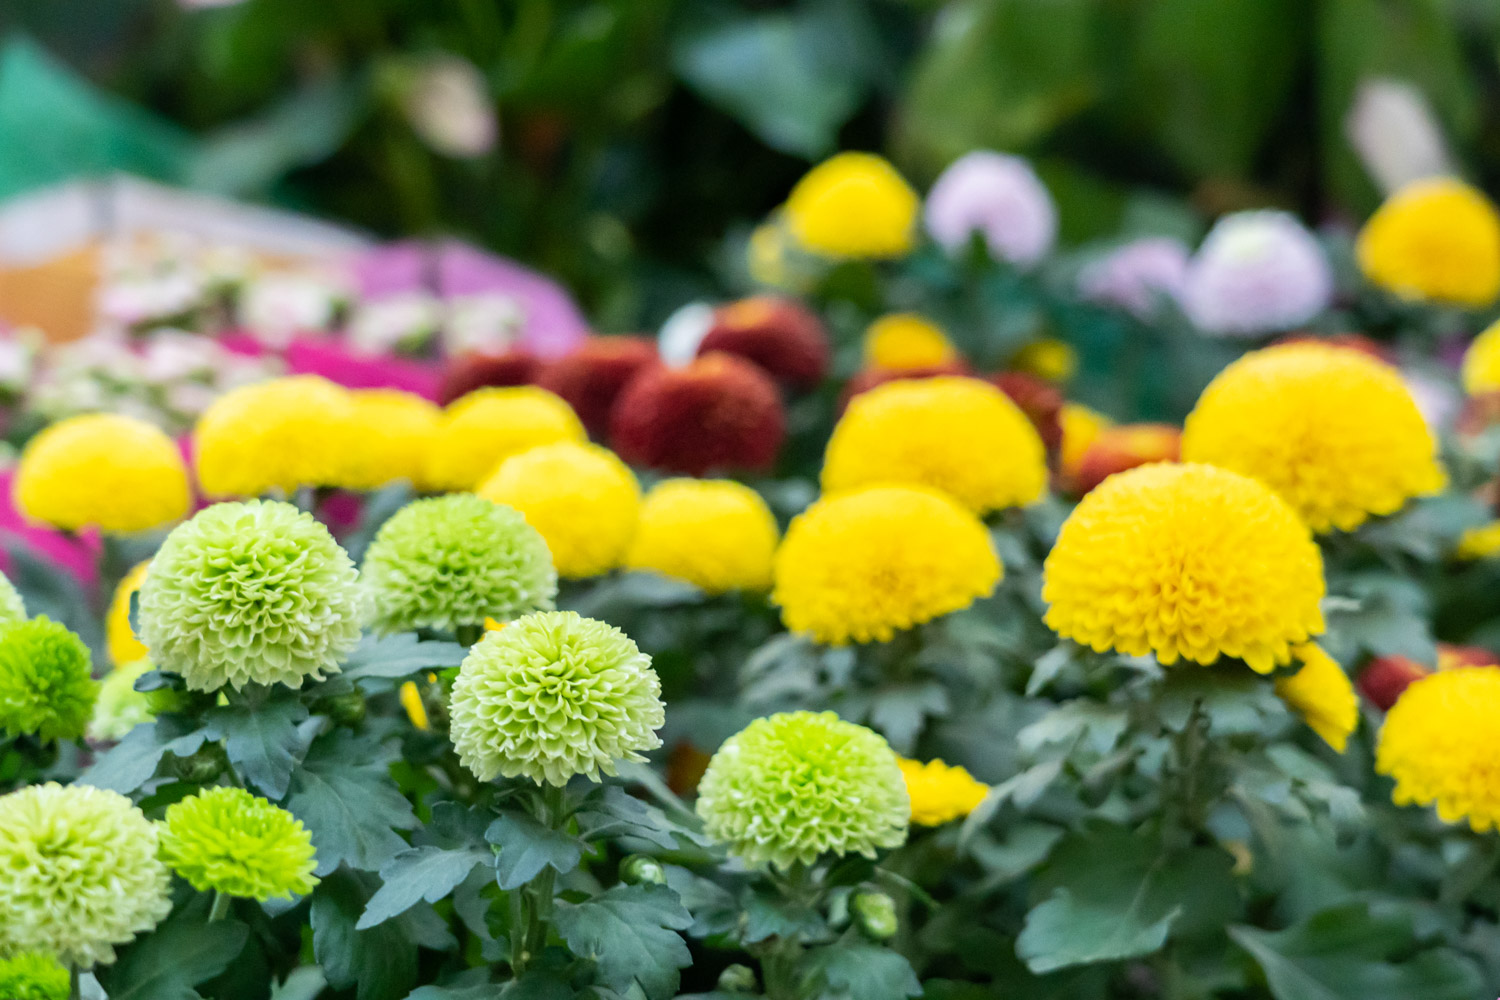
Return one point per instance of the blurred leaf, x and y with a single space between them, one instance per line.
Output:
859 971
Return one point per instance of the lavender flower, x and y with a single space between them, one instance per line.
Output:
1000 198
1257 272
1137 276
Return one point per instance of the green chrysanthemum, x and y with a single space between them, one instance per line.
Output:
78 873
33 976
121 707
255 592
456 560
553 695
46 684
801 784
227 840
12 609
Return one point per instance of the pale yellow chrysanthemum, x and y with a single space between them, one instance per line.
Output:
580 498
1481 370
102 470
1334 431
124 646
275 436
1482 542
1189 562
853 205
900 341
1441 745
940 793
394 433
1081 427
859 566
1322 694
482 429
1435 240
959 435
716 534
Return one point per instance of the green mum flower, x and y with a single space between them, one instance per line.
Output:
121 707
254 592
801 784
227 840
553 695
456 560
46 683
33 976
78 873
12 609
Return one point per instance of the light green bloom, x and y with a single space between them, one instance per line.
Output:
78 873
33 976
227 840
121 707
46 685
456 560
801 784
553 695
12 609
254 592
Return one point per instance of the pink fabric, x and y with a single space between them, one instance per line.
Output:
76 554
335 362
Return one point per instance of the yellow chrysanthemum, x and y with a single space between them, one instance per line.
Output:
900 341
275 436
105 471
124 646
959 435
1481 370
1189 562
940 793
1441 745
1048 358
487 426
1435 240
853 205
1322 694
1482 542
859 566
716 534
416 708
1333 430
766 255
394 432
582 499
1081 427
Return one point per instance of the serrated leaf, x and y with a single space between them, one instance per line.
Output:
630 932
262 740
344 793
167 963
420 874
401 655
769 914
859 971
134 760
614 812
381 960
526 847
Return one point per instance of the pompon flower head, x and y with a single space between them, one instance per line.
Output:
1434 240
1481 369
228 840
1333 430
120 707
554 695
716 413
998 197
959 435
277 436
78 873
120 638
32 975
250 593
785 338
484 428
1081 427
1116 449
853 205
716 534
474 370
1038 399
1138 276
1440 744
902 341
46 686
102 470
940 793
860 566
795 786
1256 273
591 376
1322 694
581 499
454 561
393 432
1189 562
12 607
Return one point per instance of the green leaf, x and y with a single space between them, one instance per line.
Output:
261 739
631 933
422 873
526 847
167 963
859 971
769 914
134 761
381 960
614 812
344 793
1356 953
400 655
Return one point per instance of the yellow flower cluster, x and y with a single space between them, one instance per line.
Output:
853 205
940 793
901 341
1481 370
1435 240
1322 694
392 433
276 436
1441 745
487 426
124 646
718 535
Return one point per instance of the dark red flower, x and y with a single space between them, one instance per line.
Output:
784 337
870 378
1039 399
1385 678
591 376
1125 447
467 372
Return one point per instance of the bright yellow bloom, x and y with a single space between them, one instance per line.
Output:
1322 694
716 534
1081 427
1435 240
1048 358
859 566
581 498
124 647
482 429
853 205
900 341
959 435
1482 542
766 255
275 436
1189 562
416 710
940 793
1441 745
394 433
1333 430
102 470
1481 371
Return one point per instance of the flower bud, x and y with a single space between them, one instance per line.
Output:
638 869
737 979
876 914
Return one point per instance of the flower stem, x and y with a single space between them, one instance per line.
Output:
221 907
468 635
75 987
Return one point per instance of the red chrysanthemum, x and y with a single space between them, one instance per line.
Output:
1040 400
1125 447
591 376
869 378
717 413
784 337
467 372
